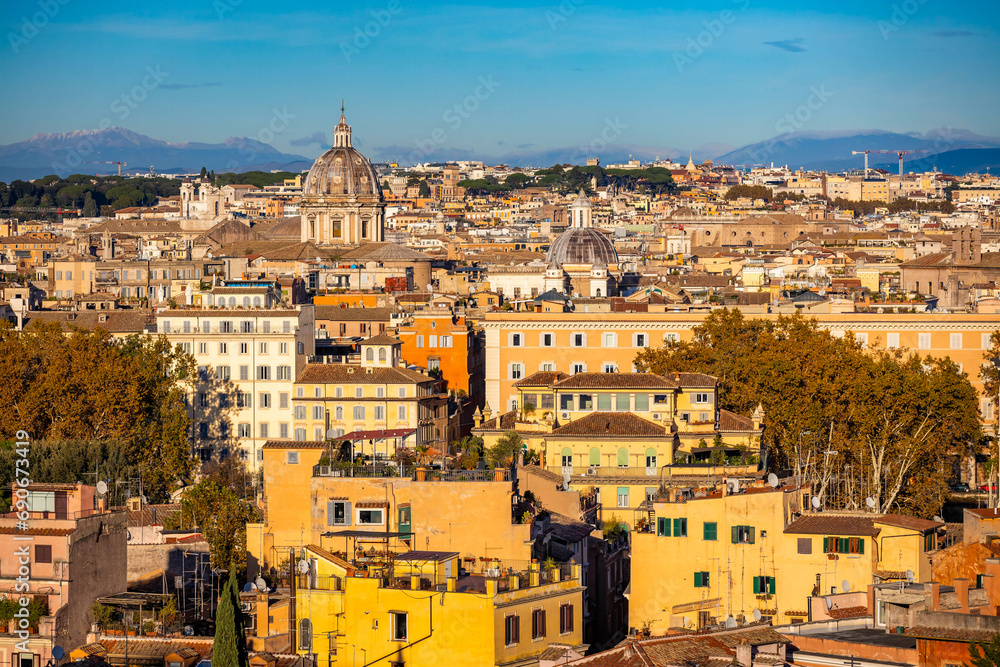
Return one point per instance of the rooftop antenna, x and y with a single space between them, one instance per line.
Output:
870 502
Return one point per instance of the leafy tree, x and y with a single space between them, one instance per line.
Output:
517 180
89 206
27 202
47 201
749 191
503 451
425 190
985 653
895 419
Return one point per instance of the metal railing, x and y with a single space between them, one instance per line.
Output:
604 471
387 469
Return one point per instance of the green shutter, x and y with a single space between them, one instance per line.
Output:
861 545
736 536
770 585
752 531
595 456
711 530
845 545
622 457
663 526
677 528
756 585
697 579
826 545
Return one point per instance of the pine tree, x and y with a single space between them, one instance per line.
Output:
985 654
89 207
225 652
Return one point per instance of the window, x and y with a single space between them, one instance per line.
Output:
371 517
338 413
379 413
743 534
246 326
594 458
244 372
359 412
548 340
892 340
622 496
924 341
300 392
622 457
300 434
263 348
202 430
222 373
710 531
516 371
639 340
763 585
263 372
263 429
662 526
567 457
609 340
586 402
511 630
622 402
359 392
244 430
401 413
300 412
843 545
420 341
292 458
264 400
516 340
578 368
317 412
565 619
805 546
680 527
701 398
398 625
548 368
701 580
282 348
43 553
202 348
578 340
284 372
282 430
650 457
609 368
956 341
930 542
538 624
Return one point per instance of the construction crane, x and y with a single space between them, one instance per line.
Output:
900 155
120 164
866 158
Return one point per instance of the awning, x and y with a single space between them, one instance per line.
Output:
381 535
377 435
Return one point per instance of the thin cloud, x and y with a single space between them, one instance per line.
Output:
317 137
953 33
790 45
180 86
523 146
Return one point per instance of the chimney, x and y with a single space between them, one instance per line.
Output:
415 582
871 599
932 591
451 584
744 654
263 627
962 591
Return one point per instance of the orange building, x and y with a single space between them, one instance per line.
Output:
351 300
446 342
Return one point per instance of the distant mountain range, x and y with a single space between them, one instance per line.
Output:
832 151
949 150
68 153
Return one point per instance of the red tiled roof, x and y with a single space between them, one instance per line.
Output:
950 634
617 424
848 612
730 421
40 532
615 381
541 379
911 522
827 524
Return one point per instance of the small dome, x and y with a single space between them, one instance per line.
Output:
581 200
582 245
342 170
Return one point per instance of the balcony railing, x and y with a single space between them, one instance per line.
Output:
602 471
387 469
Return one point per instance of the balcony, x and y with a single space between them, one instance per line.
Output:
601 471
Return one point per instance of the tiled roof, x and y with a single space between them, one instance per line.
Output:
296 444
152 514
381 339
615 381
730 421
848 612
618 424
338 314
351 374
951 634
911 522
39 532
116 321
827 524
691 649
541 379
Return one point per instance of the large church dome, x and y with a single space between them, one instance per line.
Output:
342 170
582 245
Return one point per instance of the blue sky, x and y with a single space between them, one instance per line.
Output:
526 76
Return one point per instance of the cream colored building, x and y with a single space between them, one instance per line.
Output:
248 359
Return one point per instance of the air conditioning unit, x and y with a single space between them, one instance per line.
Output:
245 607
592 470
565 415
657 416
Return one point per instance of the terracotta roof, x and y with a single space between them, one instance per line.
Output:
351 374
689 649
951 634
338 314
41 532
296 444
828 524
115 321
618 424
848 612
541 379
615 381
984 512
382 339
151 515
730 421
911 522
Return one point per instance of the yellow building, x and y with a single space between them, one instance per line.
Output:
734 550
423 611
72 276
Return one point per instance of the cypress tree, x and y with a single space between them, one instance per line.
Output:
225 652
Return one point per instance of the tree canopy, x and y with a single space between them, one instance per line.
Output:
854 422
89 387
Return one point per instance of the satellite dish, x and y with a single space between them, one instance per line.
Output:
145 500
686 622
829 603
565 481
261 584
822 292
102 488
249 587
303 566
188 630
816 502
772 479
731 622
757 615
870 502
910 577
846 586
58 652
939 518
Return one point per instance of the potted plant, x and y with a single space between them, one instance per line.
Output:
149 628
550 566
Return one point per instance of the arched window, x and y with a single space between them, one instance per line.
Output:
305 635
622 457
381 354
246 302
567 457
256 302
595 457
370 354
598 291
232 302
339 413
650 457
